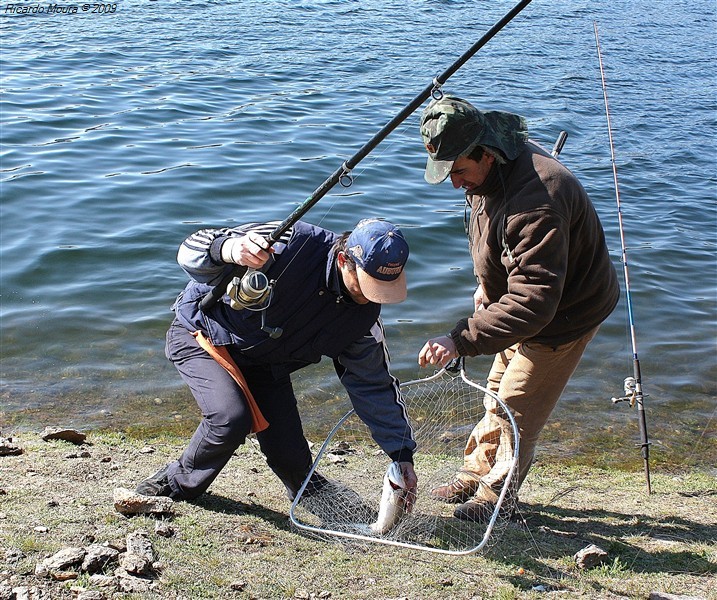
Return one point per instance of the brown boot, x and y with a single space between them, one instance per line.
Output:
458 490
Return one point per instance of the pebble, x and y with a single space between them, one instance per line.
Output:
59 433
163 529
129 503
590 556
9 448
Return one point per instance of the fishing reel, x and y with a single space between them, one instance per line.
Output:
253 292
250 291
631 392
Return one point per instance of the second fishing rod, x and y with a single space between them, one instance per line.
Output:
247 287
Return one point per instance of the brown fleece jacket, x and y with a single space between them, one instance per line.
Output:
555 281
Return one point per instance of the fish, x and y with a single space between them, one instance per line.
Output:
393 500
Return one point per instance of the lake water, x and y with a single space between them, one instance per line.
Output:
124 131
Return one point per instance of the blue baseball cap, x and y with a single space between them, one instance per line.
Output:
380 252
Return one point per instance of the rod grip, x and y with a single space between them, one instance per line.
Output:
213 296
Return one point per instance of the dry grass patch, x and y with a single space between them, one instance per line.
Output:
237 542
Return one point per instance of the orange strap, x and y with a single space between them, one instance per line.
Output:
222 356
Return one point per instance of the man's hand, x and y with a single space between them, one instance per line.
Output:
250 250
437 351
411 481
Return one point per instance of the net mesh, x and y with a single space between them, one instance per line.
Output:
443 410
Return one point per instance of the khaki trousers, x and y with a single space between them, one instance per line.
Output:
529 378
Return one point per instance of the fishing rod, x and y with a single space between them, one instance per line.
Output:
255 287
632 385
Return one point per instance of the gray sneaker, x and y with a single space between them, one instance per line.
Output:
157 485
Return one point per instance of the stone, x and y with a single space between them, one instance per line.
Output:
163 529
60 433
103 581
665 596
9 448
21 593
64 575
98 556
91 595
14 555
135 564
65 558
335 459
129 503
138 543
590 556
41 570
134 585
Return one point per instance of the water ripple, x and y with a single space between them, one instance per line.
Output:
120 136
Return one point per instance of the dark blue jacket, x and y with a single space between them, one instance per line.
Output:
316 316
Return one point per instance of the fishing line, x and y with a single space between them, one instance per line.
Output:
344 171
632 385
346 183
254 292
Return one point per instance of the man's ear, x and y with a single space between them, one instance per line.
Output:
340 259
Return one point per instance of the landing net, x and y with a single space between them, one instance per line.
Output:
443 410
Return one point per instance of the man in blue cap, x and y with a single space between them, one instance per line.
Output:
545 283
325 299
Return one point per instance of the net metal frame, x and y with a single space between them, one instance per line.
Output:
417 529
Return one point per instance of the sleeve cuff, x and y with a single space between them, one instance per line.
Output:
455 336
215 250
403 455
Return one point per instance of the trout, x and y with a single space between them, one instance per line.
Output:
393 500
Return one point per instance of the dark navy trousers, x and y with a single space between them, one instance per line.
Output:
226 420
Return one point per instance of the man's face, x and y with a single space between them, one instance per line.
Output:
469 174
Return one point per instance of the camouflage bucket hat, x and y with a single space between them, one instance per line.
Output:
452 127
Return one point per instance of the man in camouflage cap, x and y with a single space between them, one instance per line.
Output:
545 284
453 128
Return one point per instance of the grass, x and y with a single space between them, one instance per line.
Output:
237 542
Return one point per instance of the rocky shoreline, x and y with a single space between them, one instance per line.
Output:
71 528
